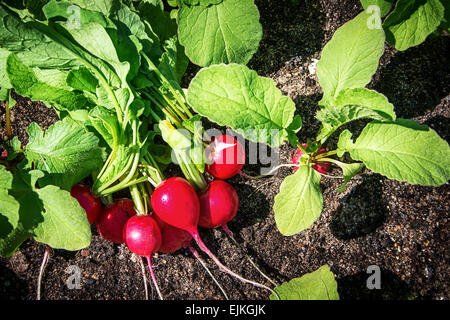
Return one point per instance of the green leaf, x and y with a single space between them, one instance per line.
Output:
82 79
384 5
173 62
349 170
445 23
227 32
65 150
233 95
345 142
161 23
75 14
366 98
353 104
32 47
25 83
317 285
103 6
106 124
96 40
412 22
201 2
52 77
299 202
65 224
9 207
404 151
334 117
350 58
21 189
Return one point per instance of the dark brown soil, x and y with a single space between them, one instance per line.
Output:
402 228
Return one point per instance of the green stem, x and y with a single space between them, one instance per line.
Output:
118 187
303 150
137 199
8 116
325 154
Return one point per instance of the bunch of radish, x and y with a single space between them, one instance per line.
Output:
178 211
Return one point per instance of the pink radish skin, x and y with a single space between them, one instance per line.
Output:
322 167
90 203
142 235
227 157
113 218
219 204
176 203
172 239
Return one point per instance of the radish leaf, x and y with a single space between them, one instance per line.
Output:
236 96
65 150
317 285
412 22
401 150
350 58
65 224
384 5
299 202
220 33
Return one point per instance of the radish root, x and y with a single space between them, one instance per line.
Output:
144 276
149 261
205 249
202 262
41 272
230 235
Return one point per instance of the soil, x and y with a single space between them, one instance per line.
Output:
401 228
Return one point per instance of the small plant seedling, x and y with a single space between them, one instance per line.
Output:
396 148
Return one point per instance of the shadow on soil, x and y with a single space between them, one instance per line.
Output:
361 211
291 30
412 95
354 287
441 125
11 286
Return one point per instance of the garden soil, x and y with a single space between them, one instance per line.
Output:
401 228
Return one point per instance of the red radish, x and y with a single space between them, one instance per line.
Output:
4 154
176 203
112 219
89 202
219 204
143 237
322 167
227 157
172 239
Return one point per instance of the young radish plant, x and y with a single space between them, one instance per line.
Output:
232 95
